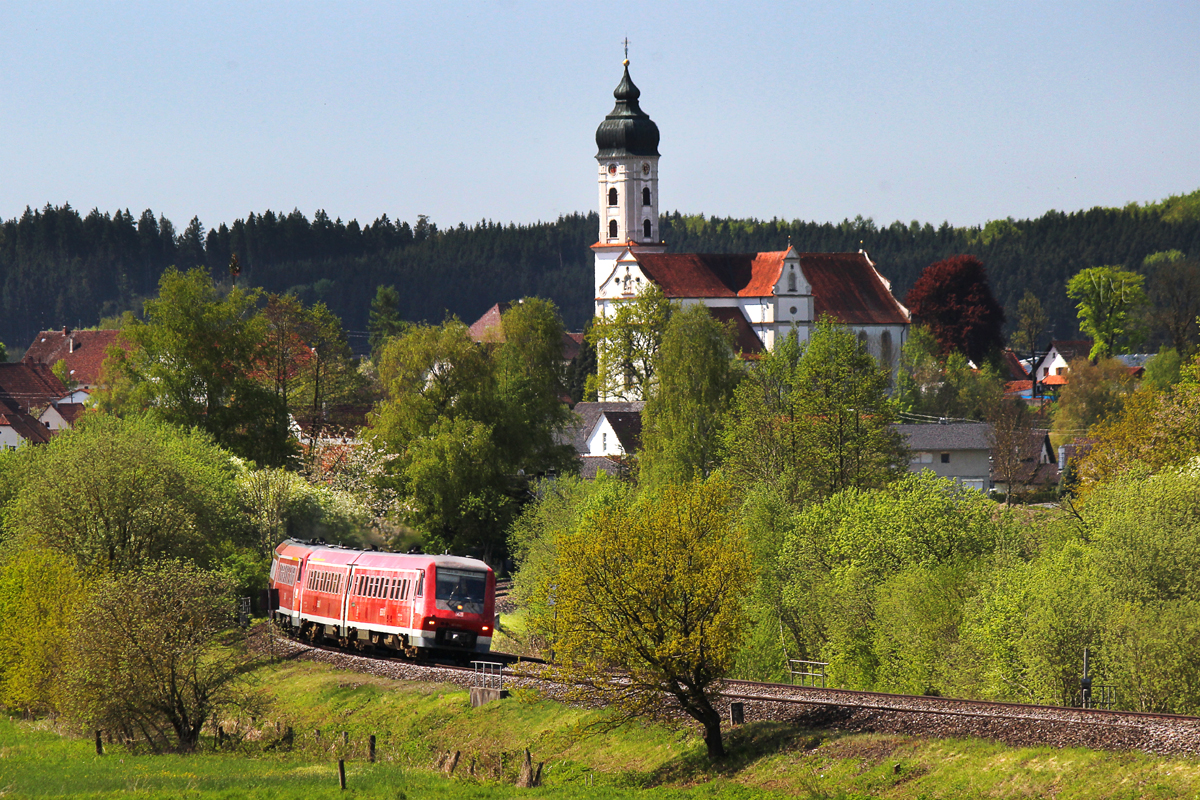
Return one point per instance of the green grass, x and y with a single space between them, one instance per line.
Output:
414 722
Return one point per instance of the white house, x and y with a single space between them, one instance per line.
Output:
765 295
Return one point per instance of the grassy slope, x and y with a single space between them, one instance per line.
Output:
414 721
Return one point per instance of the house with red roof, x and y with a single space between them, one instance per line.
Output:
488 329
765 296
82 354
27 391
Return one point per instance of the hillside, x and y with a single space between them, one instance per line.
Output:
58 267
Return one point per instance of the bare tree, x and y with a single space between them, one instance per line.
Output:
1014 446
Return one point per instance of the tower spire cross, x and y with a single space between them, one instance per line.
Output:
626 43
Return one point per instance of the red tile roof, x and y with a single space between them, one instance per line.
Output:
26 427
487 328
1013 387
845 286
713 274
24 384
1054 380
83 351
747 341
1016 370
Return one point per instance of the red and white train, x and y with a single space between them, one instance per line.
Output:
416 604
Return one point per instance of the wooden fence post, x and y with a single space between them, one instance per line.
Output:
371 749
342 772
99 744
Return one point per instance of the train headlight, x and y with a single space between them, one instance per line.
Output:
430 622
486 628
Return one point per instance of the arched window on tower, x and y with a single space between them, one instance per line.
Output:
792 281
612 197
646 196
612 227
862 341
646 231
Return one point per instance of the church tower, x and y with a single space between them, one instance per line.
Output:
627 157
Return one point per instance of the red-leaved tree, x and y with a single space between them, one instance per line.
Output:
953 299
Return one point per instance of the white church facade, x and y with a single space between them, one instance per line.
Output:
764 295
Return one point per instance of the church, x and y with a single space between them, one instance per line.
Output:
764 295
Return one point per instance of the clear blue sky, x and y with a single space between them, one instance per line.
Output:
819 111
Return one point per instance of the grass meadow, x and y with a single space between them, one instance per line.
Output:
415 722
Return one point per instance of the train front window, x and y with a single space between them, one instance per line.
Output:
460 590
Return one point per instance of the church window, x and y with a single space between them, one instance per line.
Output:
612 197
646 229
612 227
862 340
791 281
646 196
885 350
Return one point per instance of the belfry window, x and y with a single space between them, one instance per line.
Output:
646 229
646 196
612 197
612 227
791 281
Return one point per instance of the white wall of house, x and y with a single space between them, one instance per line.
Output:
9 438
971 468
603 441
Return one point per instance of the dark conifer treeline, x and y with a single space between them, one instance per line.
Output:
58 267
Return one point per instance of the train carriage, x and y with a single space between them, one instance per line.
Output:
413 603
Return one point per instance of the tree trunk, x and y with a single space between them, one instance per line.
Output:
712 737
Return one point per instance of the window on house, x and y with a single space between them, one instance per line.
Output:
791 281
612 229
945 458
604 441
646 231
1060 371
612 197
646 196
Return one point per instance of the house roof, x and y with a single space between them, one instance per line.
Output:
1054 380
70 411
1016 387
591 466
1014 367
1071 349
25 426
577 435
627 425
82 351
951 436
846 286
24 384
746 340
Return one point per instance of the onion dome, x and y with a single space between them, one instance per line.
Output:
627 130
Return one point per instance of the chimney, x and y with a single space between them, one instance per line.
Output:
71 345
66 330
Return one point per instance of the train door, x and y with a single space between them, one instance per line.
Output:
298 595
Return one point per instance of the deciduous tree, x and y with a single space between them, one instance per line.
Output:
626 345
697 371
138 490
653 587
1109 301
1032 323
953 299
149 659
1173 290
192 363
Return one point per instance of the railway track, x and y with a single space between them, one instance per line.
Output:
842 709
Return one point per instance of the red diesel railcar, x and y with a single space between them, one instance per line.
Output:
412 603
